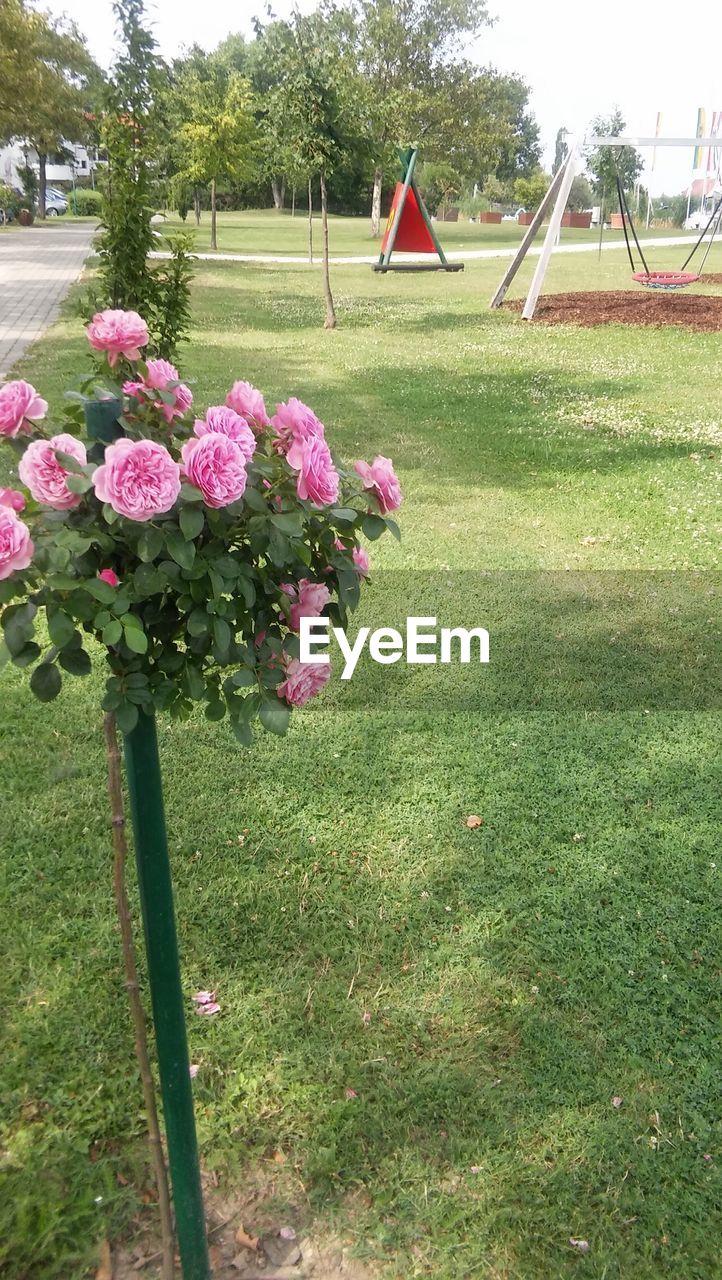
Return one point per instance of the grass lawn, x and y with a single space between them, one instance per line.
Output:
484 993
266 231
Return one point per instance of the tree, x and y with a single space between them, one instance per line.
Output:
218 136
402 46
561 149
315 101
46 76
580 194
606 163
531 191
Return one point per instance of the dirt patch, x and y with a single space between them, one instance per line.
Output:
633 307
264 1233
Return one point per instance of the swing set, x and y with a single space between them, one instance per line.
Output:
409 228
556 200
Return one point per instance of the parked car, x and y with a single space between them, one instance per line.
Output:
55 202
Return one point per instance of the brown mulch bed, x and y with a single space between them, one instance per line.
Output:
639 307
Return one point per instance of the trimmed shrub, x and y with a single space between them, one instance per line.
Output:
84 201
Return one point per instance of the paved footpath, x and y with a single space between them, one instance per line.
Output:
37 267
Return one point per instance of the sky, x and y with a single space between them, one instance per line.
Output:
579 59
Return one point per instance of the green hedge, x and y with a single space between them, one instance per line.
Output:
84 201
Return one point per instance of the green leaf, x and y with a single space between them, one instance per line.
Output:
197 623
191 522
100 590
373 527
254 500
135 637
346 515
76 662
215 710
126 716
61 628
189 493
71 464
289 522
195 683
150 544
112 633
148 580
78 484
275 716
184 553
243 732
222 633
393 528
243 678
27 655
45 682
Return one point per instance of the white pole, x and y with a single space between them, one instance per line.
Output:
573 167
530 235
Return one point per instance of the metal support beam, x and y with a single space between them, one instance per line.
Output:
531 232
625 141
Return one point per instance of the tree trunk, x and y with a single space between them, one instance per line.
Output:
42 183
376 201
197 205
278 192
330 321
115 789
214 238
293 202
310 221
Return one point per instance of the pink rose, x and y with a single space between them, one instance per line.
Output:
20 406
11 498
360 557
216 465
228 423
317 476
40 470
310 600
303 681
120 333
293 422
160 373
381 479
361 560
138 478
107 575
249 402
16 547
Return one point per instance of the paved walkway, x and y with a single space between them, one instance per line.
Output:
37 267
458 254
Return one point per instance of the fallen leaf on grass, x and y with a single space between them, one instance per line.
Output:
617 1101
215 1257
473 821
193 1070
208 1009
105 1268
351 1093
278 1157
581 1245
247 1242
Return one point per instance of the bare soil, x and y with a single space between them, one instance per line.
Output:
632 307
272 1211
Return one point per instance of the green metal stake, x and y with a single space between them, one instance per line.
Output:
156 899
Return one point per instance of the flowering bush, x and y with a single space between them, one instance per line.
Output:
189 546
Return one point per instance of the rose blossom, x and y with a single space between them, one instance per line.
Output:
138 478
317 476
228 423
11 498
360 557
294 422
216 465
381 479
160 373
44 476
309 600
16 546
249 402
109 576
120 333
20 406
303 681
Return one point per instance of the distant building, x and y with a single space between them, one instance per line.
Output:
75 163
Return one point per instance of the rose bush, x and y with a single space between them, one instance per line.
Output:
189 547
